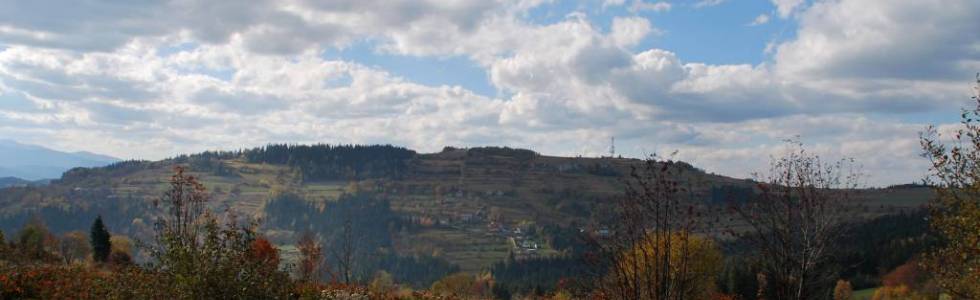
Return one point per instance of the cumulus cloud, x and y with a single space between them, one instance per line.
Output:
785 8
759 20
271 27
629 31
708 3
610 3
151 83
885 152
900 40
641 5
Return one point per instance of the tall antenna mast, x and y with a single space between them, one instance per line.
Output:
612 147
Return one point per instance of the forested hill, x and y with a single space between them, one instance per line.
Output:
469 207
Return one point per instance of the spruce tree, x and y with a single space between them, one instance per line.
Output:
101 246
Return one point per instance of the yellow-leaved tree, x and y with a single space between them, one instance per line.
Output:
682 263
955 212
652 248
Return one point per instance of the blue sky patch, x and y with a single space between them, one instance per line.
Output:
433 71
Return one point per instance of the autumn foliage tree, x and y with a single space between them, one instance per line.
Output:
343 253
909 274
653 249
4 248
187 211
955 211
122 247
264 253
795 221
843 290
690 269
34 241
463 286
311 258
205 259
901 292
73 246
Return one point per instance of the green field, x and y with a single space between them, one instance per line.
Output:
863 294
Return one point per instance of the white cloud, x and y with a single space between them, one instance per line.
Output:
642 5
787 7
628 31
612 3
708 3
887 153
223 76
273 27
901 40
759 20
191 111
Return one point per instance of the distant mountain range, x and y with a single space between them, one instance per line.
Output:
14 181
32 162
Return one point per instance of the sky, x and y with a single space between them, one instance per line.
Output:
723 83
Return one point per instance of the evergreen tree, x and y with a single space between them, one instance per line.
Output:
3 246
101 246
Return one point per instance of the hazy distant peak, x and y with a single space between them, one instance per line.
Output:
33 162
